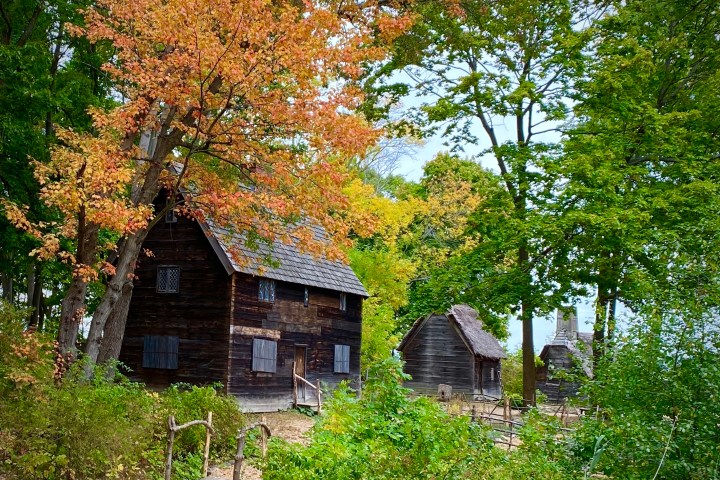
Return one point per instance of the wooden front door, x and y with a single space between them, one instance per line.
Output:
300 362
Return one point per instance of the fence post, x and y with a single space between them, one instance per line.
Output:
206 452
171 440
263 438
474 414
318 396
511 435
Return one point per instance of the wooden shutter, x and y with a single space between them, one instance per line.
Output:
342 358
264 355
160 351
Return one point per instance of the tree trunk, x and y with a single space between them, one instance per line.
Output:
611 322
124 270
127 257
34 294
115 327
7 286
528 353
73 305
601 315
528 347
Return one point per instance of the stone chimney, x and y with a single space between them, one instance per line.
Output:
567 324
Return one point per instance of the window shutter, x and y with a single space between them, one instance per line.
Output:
342 358
160 351
264 355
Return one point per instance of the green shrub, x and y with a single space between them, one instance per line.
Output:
188 403
385 434
95 428
382 435
658 392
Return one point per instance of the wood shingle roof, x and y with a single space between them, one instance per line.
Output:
288 263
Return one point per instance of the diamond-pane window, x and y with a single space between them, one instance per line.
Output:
168 279
343 301
170 216
266 290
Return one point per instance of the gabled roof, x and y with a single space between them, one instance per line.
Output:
289 264
480 342
579 345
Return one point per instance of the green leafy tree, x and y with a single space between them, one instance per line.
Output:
46 79
480 65
641 164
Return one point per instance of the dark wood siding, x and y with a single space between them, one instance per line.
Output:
555 376
198 314
489 378
318 327
437 354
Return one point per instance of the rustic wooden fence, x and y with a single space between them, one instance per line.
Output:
504 420
173 428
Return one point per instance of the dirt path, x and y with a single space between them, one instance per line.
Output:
290 426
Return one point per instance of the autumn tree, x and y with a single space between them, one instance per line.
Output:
243 107
482 68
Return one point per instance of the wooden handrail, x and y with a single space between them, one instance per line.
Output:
305 381
297 377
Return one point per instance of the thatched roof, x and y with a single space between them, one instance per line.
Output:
482 343
465 318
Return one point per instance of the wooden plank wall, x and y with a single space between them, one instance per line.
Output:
199 314
559 357
490 383
438 355
319 326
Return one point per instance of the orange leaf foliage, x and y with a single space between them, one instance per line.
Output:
250 101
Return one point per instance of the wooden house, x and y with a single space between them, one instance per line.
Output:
453 349
566 359
198 316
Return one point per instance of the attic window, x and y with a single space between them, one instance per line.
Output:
266 290
264 357
343 301
160 352
170 216
168 279
342 358
306 300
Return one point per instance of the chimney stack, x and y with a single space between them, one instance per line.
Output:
567 324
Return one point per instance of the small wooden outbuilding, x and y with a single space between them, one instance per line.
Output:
453 349
566 359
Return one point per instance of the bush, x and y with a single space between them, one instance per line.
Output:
95 428
189 402
385 434
658 391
